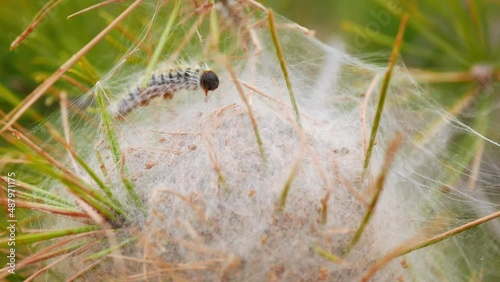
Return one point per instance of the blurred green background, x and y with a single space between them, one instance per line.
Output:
366 26
441 36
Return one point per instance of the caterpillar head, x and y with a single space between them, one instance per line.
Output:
209 81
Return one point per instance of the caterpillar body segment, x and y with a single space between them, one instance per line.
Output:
165 84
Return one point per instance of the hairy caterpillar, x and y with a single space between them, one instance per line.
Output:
165 83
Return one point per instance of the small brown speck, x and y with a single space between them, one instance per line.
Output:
162 139
149 164
445 189
192 147
264 239
271 277
404 263
275 273
251 192
323 274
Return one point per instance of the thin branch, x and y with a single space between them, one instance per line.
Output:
18 111
383 92
379 185
35 22
249 109
281 58
399 251
98 5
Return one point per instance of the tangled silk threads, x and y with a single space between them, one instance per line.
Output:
165 83
211 201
